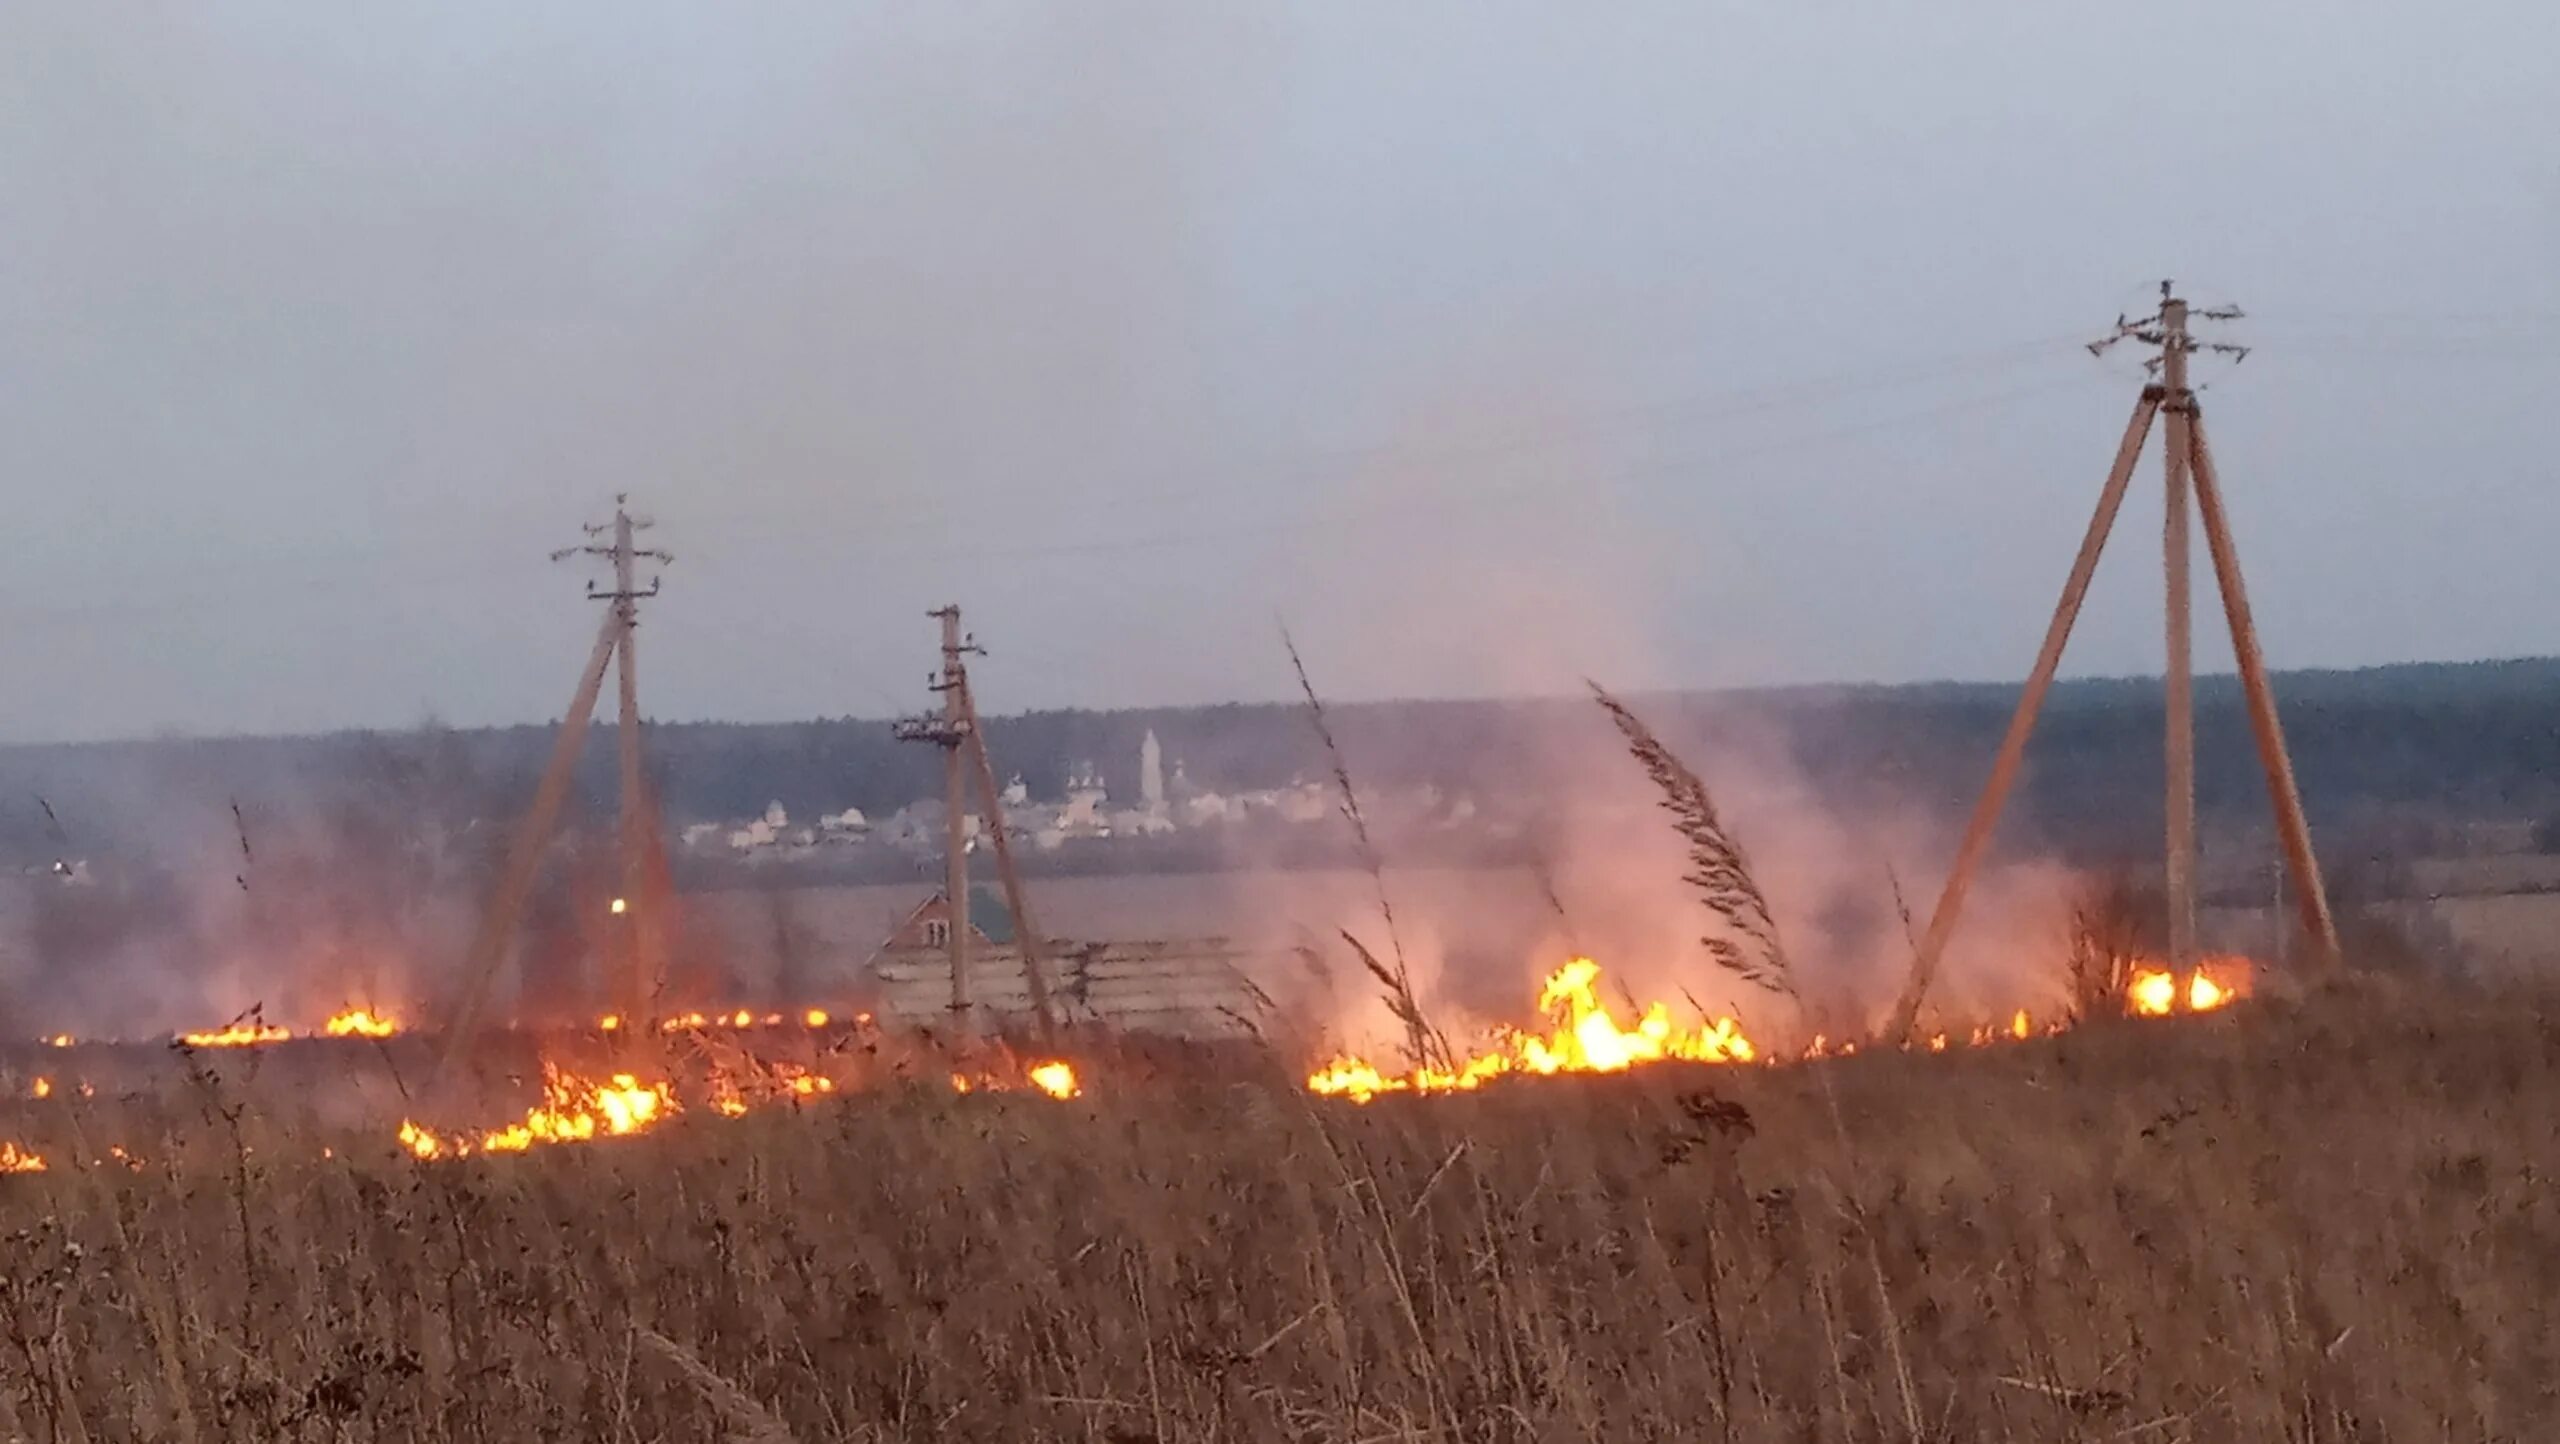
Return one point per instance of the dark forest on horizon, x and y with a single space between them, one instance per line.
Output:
2385 754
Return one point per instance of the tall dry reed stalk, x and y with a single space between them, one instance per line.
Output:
1423 1043
1719 872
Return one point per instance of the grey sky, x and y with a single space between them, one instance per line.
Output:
1488 343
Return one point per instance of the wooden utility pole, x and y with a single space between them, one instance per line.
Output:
640 912
524 849
957 731
2284 795
2022 722
2178 742
1035 965
636 910
955 820
2190 467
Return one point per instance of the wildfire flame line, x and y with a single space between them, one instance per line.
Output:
14 1159
251 1031
244 1034
580 1110
572 1110
1587 1037
359 1023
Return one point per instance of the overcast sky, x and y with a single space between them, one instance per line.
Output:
1487 344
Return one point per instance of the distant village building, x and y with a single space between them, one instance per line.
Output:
1151 816
1151 773
1168 801
1303 801
1082 815
765 831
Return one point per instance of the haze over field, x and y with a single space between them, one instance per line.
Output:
1676 344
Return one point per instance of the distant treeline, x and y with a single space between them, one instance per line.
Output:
2403 746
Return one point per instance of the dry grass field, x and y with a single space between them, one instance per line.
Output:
2324 1219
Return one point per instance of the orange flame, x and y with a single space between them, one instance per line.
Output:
2154 992
1586 1038
804 1084
1055 1077
779 1080
359 1023
14 1159
572 1110
243 1033
43 1088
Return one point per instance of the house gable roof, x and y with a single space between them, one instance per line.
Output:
988 917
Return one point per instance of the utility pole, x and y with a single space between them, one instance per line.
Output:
955 819
2189 470
636 910
2284 794
1035 965
2178 743
950 731
957 731
641 909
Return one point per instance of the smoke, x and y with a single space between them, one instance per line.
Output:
208 879
1532 602
1597 871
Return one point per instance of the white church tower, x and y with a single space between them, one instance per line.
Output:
1151 774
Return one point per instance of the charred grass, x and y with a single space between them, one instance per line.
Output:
2329 1219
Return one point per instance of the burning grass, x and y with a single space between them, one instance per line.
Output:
1586 1036
2327 1219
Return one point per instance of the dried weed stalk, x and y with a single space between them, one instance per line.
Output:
1420 1041
1717 867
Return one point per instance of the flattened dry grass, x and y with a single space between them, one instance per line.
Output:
2324 1220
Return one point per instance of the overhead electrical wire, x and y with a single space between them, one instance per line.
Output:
1464 461
1480 494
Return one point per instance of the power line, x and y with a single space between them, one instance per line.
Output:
1606 423
1481 494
